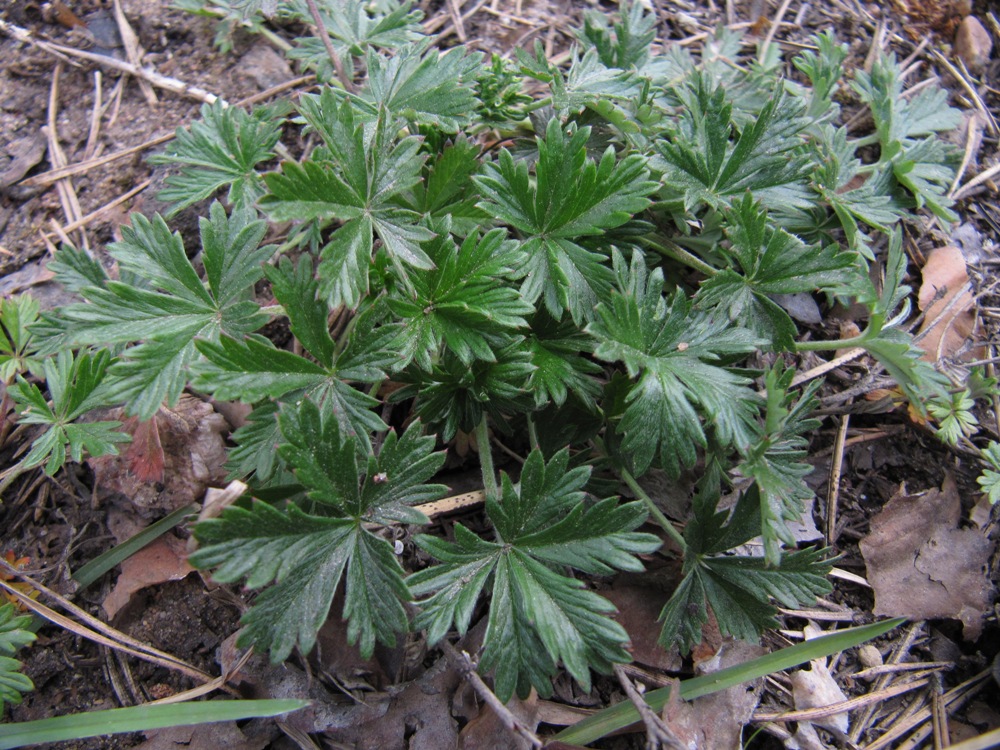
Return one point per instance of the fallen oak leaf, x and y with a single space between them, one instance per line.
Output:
158 562
922 566
948 305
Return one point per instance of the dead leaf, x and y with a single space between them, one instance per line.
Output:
816 688
922 566
949 322
487 731
715 722
172 462
638 609
223 735
160 561
25 153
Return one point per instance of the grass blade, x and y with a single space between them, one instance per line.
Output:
623 714
101 564
138 719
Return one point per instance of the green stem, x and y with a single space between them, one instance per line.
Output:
678 253
825 346
539 104
486 460
532 434
654 511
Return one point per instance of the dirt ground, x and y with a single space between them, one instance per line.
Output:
47 106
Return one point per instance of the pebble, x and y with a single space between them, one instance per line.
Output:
973 44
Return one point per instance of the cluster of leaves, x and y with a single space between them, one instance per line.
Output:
608 286
13 635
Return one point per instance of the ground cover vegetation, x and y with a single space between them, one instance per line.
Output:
588 262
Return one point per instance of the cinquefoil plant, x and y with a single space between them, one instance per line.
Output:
600 290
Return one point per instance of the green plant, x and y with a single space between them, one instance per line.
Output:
600 295
13 635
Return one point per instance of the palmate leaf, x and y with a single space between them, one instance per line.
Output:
465 303
175 308
701 162
766 261
775 462
557 349
74 385
905 127
626 43
306 555
354 26
673 352
221 150
447 191
14 634
355 180
538 615
254 369
454 396
16 346
738 589
588 83
422 85
572 197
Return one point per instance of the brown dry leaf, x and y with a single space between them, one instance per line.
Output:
715 722
487 732
922 566
171 462
816 688
160 561
638 609
223 735
945 275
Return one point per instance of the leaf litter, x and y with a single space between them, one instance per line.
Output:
922 565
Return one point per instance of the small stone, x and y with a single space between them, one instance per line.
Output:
973 44
869 656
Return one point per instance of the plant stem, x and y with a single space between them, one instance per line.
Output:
654 511
325 38
823 346
678 253
486 460
532 434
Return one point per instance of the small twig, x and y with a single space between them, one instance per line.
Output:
823 369
324 36
658 732
67 193
463 663
833 488
976 181
899 651
918 666
973 140
158 80
95 119
84 220
953 699
823 712
53 175
91 627
132 50
772 30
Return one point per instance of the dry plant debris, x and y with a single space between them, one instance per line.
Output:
922 565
